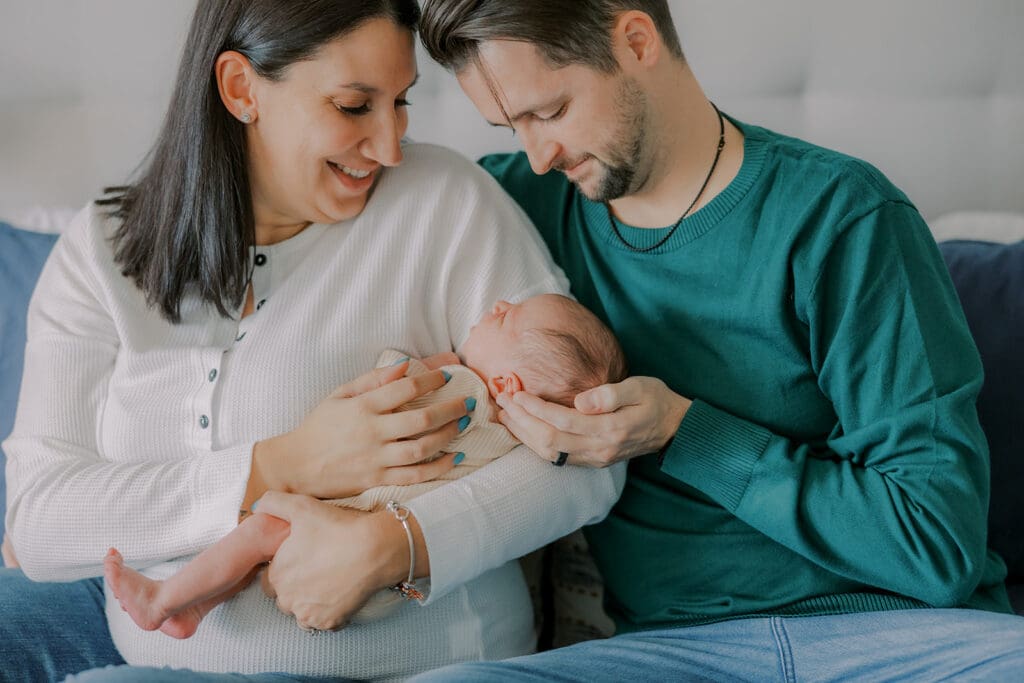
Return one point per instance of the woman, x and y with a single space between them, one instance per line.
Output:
198 339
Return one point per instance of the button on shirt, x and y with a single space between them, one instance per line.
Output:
273 264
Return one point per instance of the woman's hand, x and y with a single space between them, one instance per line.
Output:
439 360
612 422
354 440
7 550
334 559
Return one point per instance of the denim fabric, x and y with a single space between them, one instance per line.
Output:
132 674
51 631
908 646
48 630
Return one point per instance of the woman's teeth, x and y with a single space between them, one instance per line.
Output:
350 171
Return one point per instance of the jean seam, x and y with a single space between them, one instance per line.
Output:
784 649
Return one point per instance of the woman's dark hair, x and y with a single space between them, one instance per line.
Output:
187 220
565 31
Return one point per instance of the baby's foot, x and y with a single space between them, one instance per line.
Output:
136 593
184 623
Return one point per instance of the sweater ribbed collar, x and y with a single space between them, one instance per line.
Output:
696 224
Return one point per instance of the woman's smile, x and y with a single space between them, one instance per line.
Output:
352 179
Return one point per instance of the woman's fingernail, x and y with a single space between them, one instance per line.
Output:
447 376
463 423
252 508
459 457
470 404
400 361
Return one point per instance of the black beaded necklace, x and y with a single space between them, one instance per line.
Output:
718 153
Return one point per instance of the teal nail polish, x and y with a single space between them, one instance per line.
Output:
252 508
470 404
400 360
459 457
463 423
447 376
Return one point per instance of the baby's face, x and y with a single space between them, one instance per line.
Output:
490 348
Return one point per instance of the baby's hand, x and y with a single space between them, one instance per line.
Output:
439 360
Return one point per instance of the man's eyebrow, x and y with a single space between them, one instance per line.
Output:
371 89
512 118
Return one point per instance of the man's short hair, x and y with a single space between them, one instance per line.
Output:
564 31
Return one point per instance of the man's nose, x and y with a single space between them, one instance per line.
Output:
541 151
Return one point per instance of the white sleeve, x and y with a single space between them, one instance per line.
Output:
506 509
518 502
66 502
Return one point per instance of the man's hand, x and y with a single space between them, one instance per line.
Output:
610 423
333 560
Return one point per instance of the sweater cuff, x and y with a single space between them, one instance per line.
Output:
715 452
439 527
218 487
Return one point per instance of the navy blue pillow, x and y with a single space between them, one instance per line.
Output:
22 254
989 278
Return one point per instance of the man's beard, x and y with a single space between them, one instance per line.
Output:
619 174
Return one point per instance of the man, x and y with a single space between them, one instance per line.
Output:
808 481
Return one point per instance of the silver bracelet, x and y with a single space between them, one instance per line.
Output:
406 588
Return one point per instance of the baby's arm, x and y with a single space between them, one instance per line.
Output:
177 604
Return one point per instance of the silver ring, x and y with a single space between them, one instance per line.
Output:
562 457
312 631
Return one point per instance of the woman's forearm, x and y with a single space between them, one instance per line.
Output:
151 511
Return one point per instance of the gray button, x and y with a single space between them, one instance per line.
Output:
260 304
240 337
213 374
260 259
204 421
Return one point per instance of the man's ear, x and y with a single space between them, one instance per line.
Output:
236 80
636 38
508 383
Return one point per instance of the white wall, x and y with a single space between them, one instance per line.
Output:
931 91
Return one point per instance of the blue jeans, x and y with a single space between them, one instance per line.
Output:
49 631
142 674
912 645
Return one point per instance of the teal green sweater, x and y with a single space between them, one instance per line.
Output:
832 459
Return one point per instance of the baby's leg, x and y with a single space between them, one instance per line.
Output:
213 576
184 623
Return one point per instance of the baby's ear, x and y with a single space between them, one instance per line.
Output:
508 383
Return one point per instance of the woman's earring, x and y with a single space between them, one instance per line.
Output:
246 117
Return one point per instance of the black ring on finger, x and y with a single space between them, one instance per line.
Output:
562 457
